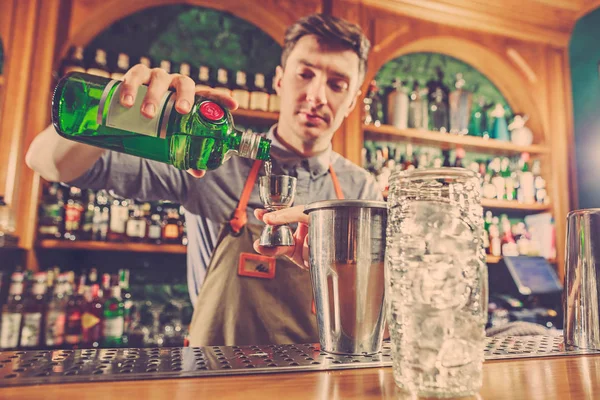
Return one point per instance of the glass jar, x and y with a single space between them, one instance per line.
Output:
436 281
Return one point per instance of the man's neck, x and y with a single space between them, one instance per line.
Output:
297 146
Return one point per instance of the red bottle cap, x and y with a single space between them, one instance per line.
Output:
211 111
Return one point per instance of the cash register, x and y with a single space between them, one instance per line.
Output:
524 289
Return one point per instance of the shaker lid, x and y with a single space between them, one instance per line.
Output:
319 205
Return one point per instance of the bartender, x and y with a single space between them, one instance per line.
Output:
241 297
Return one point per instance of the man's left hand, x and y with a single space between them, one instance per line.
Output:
298 253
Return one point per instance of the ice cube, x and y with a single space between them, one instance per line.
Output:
456 353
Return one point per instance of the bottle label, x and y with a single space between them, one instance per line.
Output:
136 228
30 334
72 217
130 119
242 97
154 232
171 231
55 328
9 330
114 327
118 218
259 101
88 320
274 103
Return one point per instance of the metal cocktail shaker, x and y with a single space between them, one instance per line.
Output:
347 253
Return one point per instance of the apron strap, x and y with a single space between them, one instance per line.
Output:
240 217
336 183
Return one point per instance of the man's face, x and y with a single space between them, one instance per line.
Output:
318 89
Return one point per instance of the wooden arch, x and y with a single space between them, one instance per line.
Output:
509 80
91 18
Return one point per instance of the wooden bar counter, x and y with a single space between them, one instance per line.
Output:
545 378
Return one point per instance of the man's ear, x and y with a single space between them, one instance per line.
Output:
278 78
354 102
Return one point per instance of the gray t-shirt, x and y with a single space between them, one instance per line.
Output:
210 201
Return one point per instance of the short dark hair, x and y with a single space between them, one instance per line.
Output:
330 31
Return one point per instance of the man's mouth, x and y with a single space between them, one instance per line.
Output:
313 117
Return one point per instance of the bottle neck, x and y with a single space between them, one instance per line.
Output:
249 145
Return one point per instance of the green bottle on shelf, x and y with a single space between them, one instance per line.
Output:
86 109
114 319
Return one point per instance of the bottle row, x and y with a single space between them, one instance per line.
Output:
48 310
533 236
251 94
71 213
435 107
511 179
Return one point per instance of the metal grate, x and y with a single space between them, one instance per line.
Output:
62 366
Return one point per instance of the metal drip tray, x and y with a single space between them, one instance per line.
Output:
63 366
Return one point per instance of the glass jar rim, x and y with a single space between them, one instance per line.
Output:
434 173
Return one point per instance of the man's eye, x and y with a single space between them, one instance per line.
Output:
338 86
305 75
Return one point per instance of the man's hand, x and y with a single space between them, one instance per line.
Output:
298 253
159 82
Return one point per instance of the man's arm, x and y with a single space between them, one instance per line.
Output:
57 159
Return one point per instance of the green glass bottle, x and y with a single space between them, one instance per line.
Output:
86 108
114 319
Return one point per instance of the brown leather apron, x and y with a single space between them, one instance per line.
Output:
247 298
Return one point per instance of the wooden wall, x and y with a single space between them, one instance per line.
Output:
519 44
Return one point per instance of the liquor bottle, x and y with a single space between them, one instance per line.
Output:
418 112
122 67
526 192
222 84
184 69
368 104
172 227
91 319
165 65
127 299
92 278
146 61
101 216
87 217
119 215
499 127
495 241
136 225
397 105
259 96
51 218
73 214
509 245
510 193
114 322
539 183
75 308
12 313
203 81
240 91
274 99
74 63
460 107
202 139
478 118
54 333
437 89
498 179
98 66
460 155
154 234
34 310
438 110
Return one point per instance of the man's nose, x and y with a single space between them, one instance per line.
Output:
316 93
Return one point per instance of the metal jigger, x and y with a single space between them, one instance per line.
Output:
277 192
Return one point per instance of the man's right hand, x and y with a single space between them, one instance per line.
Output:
159 82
